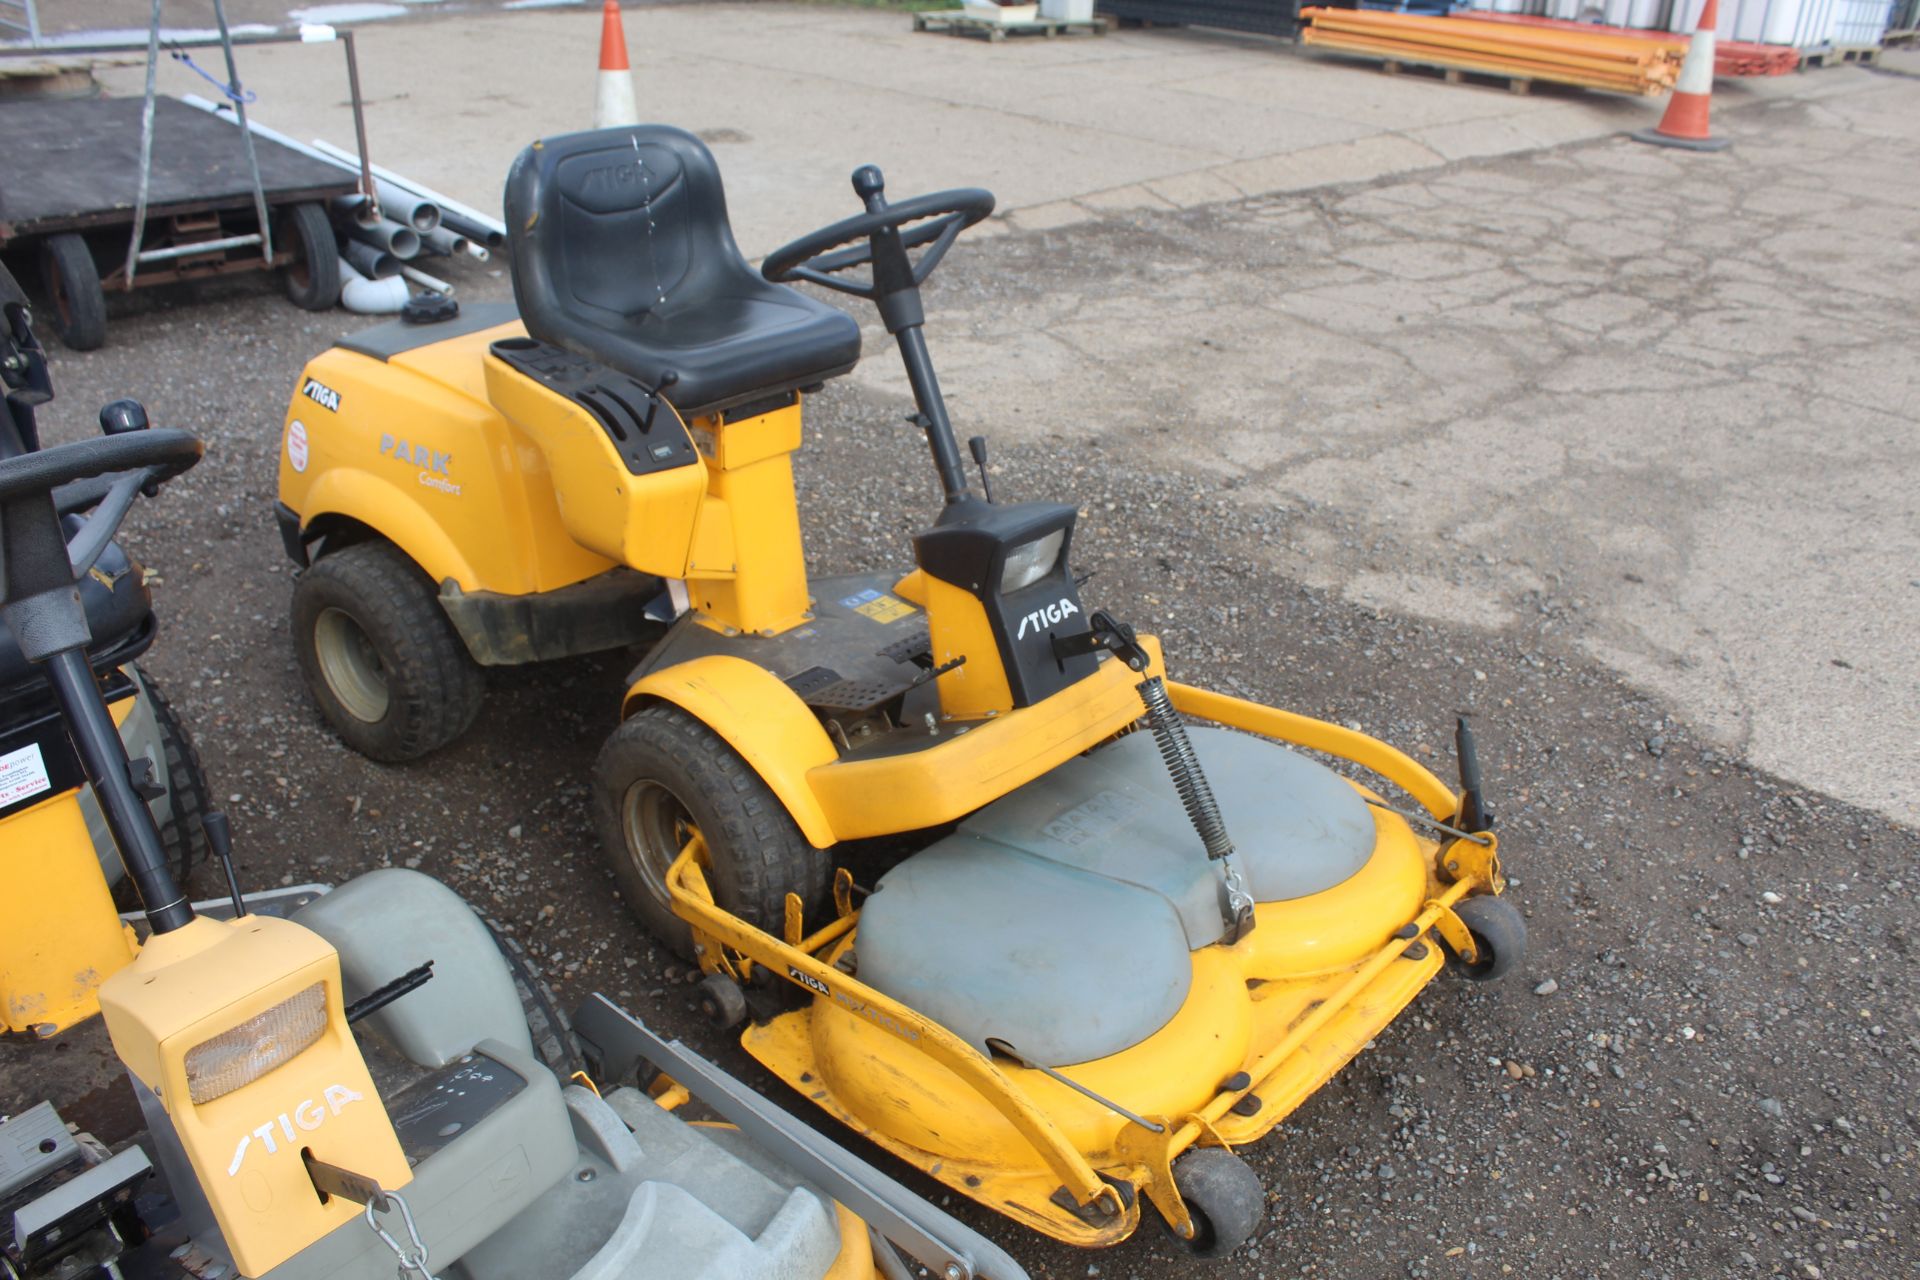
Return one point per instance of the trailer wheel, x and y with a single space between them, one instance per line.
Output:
73 286
313 277
1224 1197
664 776
388 670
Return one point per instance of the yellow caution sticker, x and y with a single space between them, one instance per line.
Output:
886 609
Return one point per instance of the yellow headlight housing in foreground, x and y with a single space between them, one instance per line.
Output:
243 1054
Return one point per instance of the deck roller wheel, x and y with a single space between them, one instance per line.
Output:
1499 935
1224 1197
722 1002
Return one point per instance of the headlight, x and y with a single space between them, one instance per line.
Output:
243 1054
1031 561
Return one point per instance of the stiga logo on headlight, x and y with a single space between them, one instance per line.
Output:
1049 616
306 1117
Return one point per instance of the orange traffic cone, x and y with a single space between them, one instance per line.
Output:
613 101
1685 123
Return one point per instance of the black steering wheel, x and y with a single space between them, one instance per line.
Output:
133 461
941 216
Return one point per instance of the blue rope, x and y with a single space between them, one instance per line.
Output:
231 92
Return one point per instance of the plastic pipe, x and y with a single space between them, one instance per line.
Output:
370 262
397 202
444 240
426 281
388 235
355 208
468 221
371 297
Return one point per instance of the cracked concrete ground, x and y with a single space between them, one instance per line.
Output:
1668 402
1385 453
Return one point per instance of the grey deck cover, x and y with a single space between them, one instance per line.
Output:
1059 918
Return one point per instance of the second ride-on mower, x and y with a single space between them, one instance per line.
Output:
375 1083
1142 944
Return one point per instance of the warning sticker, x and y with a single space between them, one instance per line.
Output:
23 774
297 444
886 609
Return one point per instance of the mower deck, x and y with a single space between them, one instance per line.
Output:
1265 1021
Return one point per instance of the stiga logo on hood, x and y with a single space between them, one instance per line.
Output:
306 1117
321 394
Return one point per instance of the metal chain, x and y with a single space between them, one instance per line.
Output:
412 1257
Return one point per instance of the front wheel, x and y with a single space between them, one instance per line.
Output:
389 672
663 778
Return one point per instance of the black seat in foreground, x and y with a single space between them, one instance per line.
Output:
622 253
119 611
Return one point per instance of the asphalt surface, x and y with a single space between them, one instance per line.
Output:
1707 1068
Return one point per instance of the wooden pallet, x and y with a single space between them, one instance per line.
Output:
959 22
1459 75
1839 55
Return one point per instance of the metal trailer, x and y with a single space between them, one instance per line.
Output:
69 193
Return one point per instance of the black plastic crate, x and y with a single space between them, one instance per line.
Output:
1267 17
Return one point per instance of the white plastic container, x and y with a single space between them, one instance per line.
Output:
1861 22
1074 10
1000 12
1804 24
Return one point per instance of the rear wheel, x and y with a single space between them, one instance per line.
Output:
663 778
313 277
385 665
73 287
551 1030
1224 1198
183 836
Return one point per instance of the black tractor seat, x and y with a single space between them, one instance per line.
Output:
622 253
119 615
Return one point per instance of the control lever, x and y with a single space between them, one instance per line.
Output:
220 840
1106 634
667 378
977 446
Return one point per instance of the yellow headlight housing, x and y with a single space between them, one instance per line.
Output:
242 1054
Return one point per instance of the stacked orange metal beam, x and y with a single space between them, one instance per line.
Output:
1620 63
1730 57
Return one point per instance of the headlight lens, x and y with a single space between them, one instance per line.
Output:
1031 561
242 1054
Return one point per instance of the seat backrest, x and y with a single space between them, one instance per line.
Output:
606 229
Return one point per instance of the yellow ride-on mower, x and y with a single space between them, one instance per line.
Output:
58 938
1119 944
374 1082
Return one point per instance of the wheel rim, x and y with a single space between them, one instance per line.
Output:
62 305
657 828
351 666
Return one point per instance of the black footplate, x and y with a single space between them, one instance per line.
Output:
823 689
630 411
